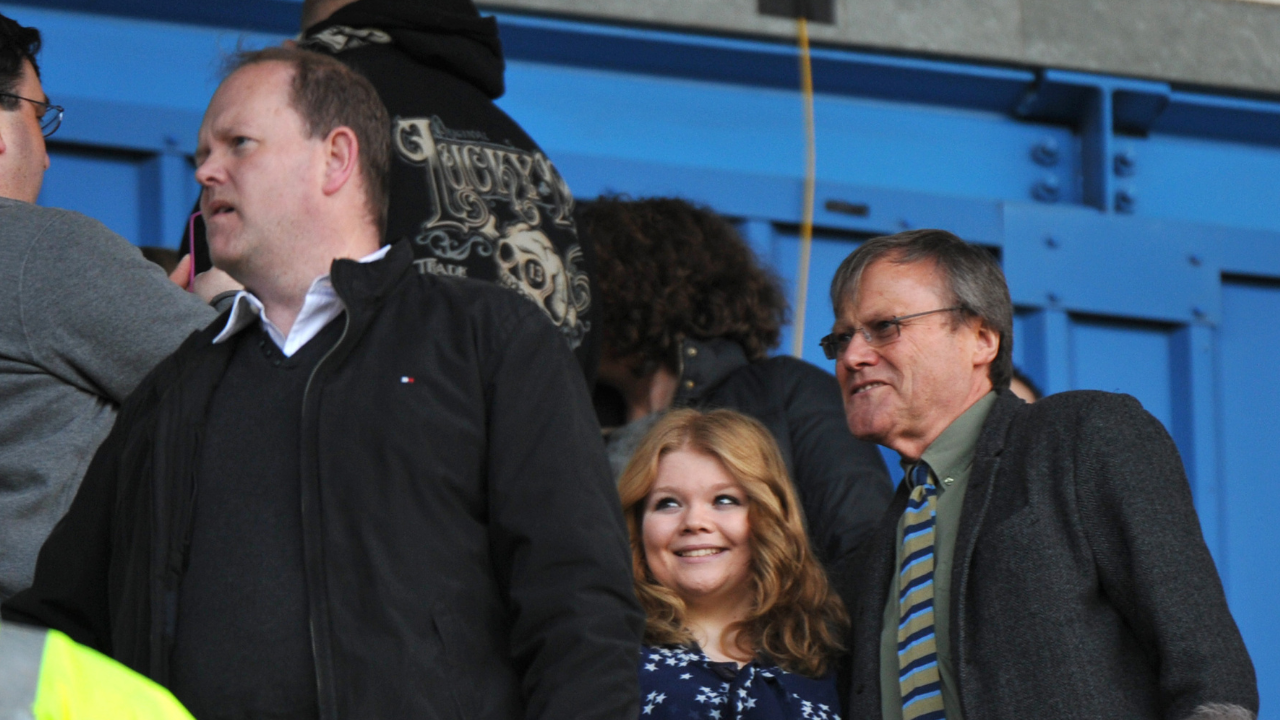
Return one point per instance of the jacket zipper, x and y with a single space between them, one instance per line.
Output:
323 689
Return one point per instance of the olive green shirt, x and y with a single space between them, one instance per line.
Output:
950 458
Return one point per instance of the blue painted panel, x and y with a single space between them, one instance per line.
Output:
1087 261
114 75
1234 183
825 255
1125 357
104 185
1249 386
1022 335
271 15
949 152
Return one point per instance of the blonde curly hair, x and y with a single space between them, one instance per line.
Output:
795 619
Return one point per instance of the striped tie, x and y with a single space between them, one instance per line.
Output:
918 676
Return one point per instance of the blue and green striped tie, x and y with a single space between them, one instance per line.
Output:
918 676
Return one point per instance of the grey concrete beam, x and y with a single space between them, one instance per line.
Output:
1232 44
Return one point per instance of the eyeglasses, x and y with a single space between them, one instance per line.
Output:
877 334
50 114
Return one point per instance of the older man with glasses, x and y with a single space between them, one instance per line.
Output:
83 317
1038 561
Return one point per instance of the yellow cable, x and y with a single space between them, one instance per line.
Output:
810 179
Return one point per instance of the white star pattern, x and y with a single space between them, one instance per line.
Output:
684 684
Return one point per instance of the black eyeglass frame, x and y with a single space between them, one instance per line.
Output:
885 332
47 127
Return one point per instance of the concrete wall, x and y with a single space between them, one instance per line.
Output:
1221 43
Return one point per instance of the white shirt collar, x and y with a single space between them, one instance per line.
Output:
320 306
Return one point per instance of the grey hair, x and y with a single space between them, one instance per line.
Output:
1221 711
974 281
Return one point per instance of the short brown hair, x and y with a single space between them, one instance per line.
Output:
795 619
973 279
667 270
327 94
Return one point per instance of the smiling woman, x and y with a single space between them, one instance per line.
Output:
739 612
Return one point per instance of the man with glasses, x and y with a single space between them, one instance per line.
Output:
1038 561
83 317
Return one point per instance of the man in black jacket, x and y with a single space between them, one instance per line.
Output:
470 190
1039 561
367 491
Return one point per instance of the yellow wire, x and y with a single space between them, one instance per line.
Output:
810 179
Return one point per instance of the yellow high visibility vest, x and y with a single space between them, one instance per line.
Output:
44 675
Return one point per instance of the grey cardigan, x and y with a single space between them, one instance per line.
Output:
1082 584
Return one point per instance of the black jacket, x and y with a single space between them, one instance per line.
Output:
464 547
1083 587
842 481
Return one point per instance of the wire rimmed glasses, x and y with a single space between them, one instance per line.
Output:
50 115
877 334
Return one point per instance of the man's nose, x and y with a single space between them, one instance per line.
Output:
858 352
208 172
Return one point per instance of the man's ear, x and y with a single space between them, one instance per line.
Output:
342 156
987 346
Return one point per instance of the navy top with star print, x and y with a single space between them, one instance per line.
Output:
682 683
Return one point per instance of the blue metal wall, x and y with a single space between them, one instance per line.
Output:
1139 223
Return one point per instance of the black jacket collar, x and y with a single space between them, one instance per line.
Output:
704 364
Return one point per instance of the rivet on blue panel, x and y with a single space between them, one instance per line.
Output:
1125 164
1125 201
1046 152
1047 190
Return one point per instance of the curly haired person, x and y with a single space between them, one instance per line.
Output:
740 619
689 317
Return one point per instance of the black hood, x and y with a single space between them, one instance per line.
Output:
447 34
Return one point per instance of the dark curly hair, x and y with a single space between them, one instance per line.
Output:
17 43
668 270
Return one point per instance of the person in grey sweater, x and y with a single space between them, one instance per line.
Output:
83 318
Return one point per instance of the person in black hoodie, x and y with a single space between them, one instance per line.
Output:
473 193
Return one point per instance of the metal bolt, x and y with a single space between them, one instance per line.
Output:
1124 163
1194 260
1050 242
1125 201
691 352
1046 190
1046 152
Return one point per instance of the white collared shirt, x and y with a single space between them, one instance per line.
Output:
320 306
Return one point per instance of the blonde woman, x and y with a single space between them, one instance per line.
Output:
741 622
